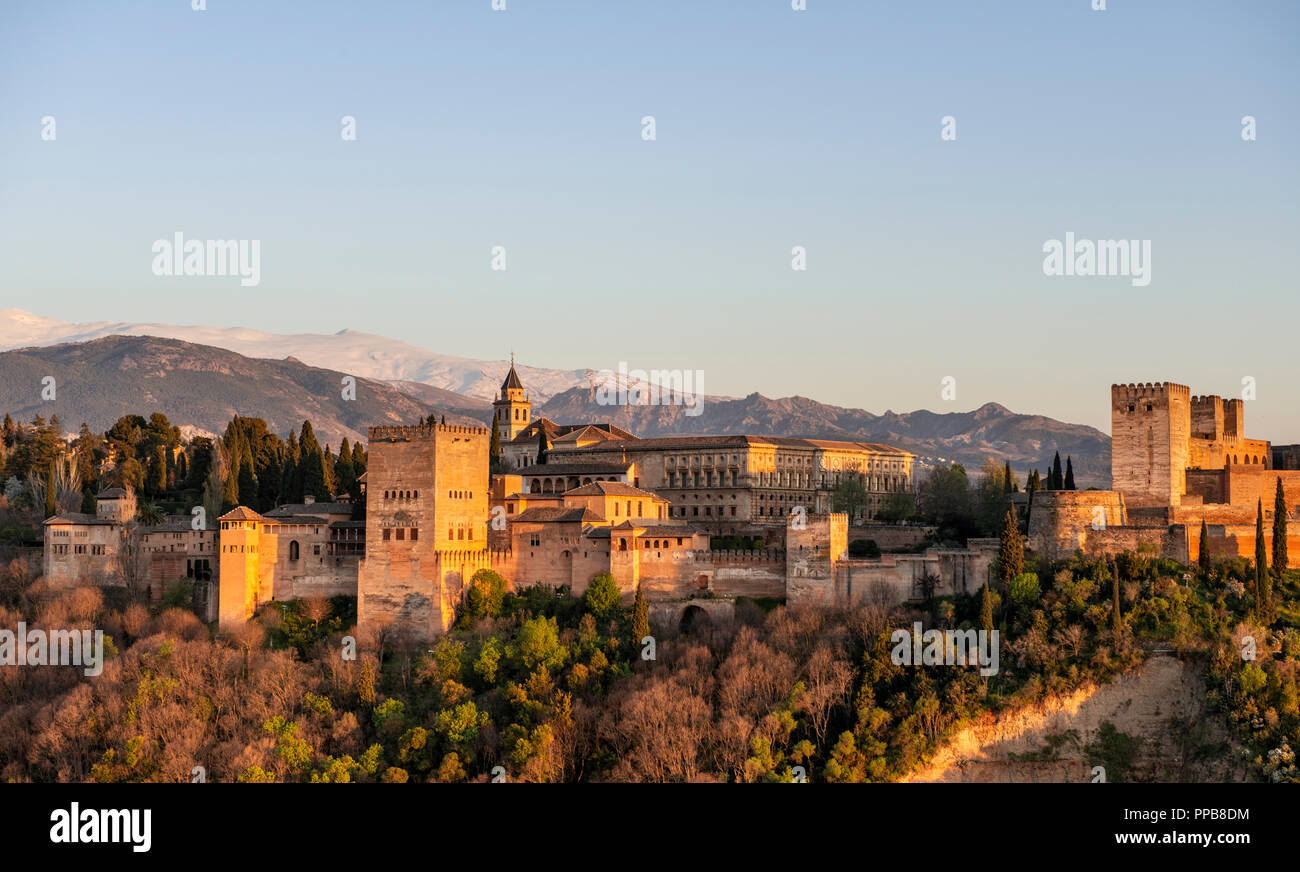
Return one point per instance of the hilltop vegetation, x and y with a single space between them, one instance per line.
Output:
551 687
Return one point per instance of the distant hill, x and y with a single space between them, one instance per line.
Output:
1027 441
350 351
197 385
277 375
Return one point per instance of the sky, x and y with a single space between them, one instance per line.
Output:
774 128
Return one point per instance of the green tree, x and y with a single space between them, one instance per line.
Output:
1280 558
602 596
850 497
230 490
640 617
986 609
494 449
1011 553
486 594
1203 558
1069 473
1263 583
1056 481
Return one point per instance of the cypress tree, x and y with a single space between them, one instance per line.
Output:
1203 558
1006 478
157 481
247 482
494 450
986 609
1011 554
1056 482
1263 585
1280 558
230 490
1069 474
358 458
640 617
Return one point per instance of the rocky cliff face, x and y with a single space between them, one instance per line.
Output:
1149 725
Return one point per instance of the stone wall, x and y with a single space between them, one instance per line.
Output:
1061 522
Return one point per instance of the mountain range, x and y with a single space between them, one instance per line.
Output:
202 376
98 381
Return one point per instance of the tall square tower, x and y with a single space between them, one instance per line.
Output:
1150 425
426 506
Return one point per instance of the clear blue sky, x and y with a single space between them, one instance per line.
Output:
775 128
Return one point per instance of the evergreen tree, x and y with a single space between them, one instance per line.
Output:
345 478
313 475
1280 558
1203 558
1057 482
1011 554
1263 584
87 501
494 449
1008 486
986 609
230 492
543 445
358 459
248 495
640 618
1069 474
156 480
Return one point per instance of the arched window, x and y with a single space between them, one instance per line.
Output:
293 550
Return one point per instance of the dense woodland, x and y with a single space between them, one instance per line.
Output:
553 687
45 473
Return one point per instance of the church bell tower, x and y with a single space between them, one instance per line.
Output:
512 409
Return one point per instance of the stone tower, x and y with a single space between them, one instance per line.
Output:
426 525
513 409
246 577
1150 427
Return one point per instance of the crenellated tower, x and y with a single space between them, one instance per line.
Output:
1150 425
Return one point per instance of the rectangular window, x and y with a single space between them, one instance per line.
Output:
401 533
386 533
415 533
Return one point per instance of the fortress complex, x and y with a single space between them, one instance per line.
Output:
1176 460
578 501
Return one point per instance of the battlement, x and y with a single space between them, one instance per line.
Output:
415 432
1207 400
1145 391
767 555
